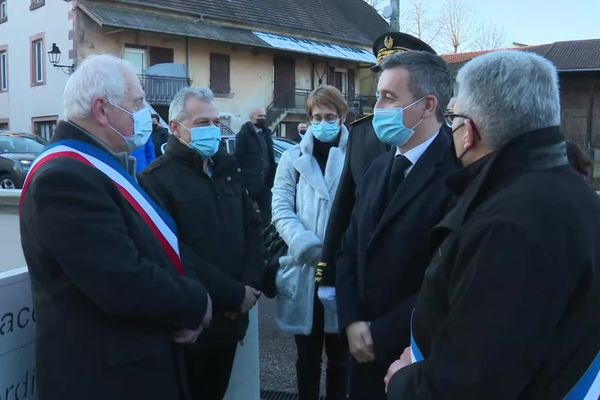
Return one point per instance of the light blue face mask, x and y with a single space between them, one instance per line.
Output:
389 127
205 139
142 128
326 132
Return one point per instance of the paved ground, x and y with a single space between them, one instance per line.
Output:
277 352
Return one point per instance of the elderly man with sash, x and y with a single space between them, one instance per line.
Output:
111 294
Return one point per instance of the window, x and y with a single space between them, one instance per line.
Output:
219 73
4 125
38 60
35 4
3 70
44 126
3 11
137 57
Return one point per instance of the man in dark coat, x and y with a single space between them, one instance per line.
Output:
107 297
201 187
363 147
402 196
509 307
160 135
254 154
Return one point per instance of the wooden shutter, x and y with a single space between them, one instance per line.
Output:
351 84
331 76
161 55
219 73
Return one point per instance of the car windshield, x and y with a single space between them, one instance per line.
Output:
14 144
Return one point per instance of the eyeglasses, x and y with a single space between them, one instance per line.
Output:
449 118
317 119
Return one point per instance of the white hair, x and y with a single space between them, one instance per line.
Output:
177 110
99 76
508 93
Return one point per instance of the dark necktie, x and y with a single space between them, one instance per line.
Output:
399 165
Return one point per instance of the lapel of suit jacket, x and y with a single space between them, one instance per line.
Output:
414 182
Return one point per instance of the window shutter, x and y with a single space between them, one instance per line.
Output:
219 73
331 76
351 84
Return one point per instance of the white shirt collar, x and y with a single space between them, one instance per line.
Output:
416 152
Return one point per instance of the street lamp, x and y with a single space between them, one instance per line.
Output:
54 58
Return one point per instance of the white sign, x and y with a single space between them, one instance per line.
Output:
17 337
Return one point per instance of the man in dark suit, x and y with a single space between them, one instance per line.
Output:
109 301
363 147
401 197
254 154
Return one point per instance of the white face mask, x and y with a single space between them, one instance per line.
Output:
142 128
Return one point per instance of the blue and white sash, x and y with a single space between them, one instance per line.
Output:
587 388
157 219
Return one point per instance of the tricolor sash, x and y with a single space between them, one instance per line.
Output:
157 219
587 388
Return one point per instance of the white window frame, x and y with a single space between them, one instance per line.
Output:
3 9
135 50
3 71
38 60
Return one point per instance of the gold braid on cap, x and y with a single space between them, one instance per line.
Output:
384 53
388 49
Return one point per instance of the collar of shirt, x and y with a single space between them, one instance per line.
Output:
416 152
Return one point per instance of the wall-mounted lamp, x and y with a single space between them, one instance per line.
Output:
54 58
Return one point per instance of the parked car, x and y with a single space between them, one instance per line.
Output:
279 145
17 152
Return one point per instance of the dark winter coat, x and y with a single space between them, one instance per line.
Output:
107 298
509 307
249 156
218 222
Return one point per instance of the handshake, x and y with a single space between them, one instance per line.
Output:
187 336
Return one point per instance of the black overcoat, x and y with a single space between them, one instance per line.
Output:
385 251
106 296
510 305
218 222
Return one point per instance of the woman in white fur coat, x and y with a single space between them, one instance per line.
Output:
305 185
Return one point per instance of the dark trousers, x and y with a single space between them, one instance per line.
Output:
208 368
366 381
263 201
308 365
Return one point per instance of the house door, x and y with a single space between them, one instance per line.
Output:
284 70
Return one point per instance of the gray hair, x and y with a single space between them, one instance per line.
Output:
177 110
508 93
98 76
428 75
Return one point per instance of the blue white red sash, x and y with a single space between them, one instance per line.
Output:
158 220
587 388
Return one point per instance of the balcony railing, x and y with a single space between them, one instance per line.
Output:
162 89
359 104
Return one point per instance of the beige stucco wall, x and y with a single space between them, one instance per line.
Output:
251 70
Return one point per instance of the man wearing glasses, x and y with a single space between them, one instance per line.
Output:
509 307
201 186
402 196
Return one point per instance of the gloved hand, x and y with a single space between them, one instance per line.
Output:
311 256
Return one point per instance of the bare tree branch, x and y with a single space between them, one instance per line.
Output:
458 23
489 36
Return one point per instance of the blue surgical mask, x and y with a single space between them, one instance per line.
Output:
205 139
389 127
326 132
142 128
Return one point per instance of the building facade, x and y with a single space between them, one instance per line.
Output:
249 52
